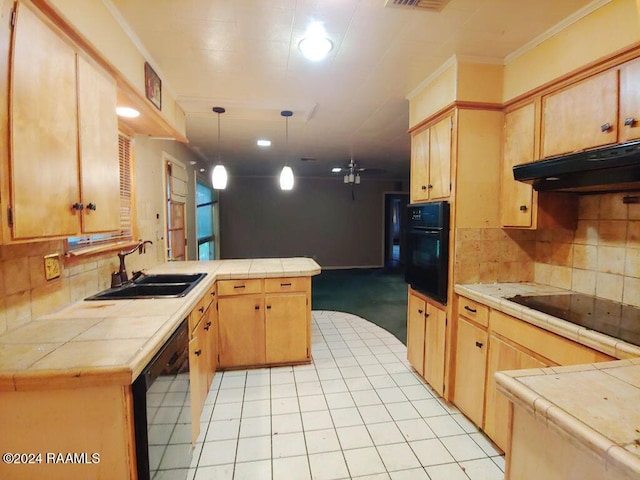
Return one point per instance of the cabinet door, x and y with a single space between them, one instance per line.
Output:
99 165
416 315
43 126
286 327
440 159
629 101
471 365
241 340
434 347
576 118
209 344
502 356
420 166
196 384
519 138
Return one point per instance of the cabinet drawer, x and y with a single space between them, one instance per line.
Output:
559 350
289 284
239 287
474 311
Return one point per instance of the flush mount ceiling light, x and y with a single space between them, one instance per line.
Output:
264 143
127 112
315 45
219 175
286 176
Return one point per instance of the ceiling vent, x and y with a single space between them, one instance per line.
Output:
427 5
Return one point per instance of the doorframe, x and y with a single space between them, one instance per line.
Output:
385 195
165 158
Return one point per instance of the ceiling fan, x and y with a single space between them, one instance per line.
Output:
352 171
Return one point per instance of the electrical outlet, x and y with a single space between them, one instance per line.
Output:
52 266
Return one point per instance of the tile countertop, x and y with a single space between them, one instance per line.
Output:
595 406
494 295
110 341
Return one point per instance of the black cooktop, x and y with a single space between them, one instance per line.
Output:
605 316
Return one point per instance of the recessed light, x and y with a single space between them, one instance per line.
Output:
127 112
336 169
264 143
315 45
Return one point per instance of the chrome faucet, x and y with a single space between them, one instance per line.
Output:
120 277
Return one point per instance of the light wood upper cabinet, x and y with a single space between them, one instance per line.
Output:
519 140
63 137
431 162
582 116
434 347
629 120
416 311
99 165
43 130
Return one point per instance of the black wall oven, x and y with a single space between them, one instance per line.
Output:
427 259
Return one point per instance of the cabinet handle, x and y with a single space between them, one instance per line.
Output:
606 127
257 307
207 326
423 187
198 352
630 121
523 208
479 344
285 284
213 294
92 206
77 207
429 186
469 309
239 286
201 309
268 307
420 311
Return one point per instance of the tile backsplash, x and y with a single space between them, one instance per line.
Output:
601 257
25 294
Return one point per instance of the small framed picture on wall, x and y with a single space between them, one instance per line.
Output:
152 86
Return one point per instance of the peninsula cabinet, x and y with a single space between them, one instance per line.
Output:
431 161
426 336
264 322
582 116
63 147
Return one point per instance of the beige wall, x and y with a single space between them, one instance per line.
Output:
608 29
317 219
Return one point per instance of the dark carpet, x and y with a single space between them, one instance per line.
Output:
377 295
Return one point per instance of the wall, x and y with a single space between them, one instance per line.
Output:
317 219
608 29
24 292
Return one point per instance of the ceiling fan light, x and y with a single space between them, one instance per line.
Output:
286 178
351 178
358 178
346 179
219 177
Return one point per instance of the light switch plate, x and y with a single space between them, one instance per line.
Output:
52 266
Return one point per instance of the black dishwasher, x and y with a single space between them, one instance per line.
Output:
162 411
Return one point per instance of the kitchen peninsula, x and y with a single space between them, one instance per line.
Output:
65 378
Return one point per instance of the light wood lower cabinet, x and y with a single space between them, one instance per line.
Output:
426 338
502 356
271 325
471 366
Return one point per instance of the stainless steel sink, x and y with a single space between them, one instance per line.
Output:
166 285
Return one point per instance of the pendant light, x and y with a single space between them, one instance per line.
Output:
219 175
286 176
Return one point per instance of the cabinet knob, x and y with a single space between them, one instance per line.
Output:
469 309
201 309
92 206
630 122
606 127
257 307
479 344
420 311
429 186
207 326
213 294
423 187
77 207
523 208
268 307
198 352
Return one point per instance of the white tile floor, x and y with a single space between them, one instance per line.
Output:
359 411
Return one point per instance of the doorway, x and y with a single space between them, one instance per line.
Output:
395 216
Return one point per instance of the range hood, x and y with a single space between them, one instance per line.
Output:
609 169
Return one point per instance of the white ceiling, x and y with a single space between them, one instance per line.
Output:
243 55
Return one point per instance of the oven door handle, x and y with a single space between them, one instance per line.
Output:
426 233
